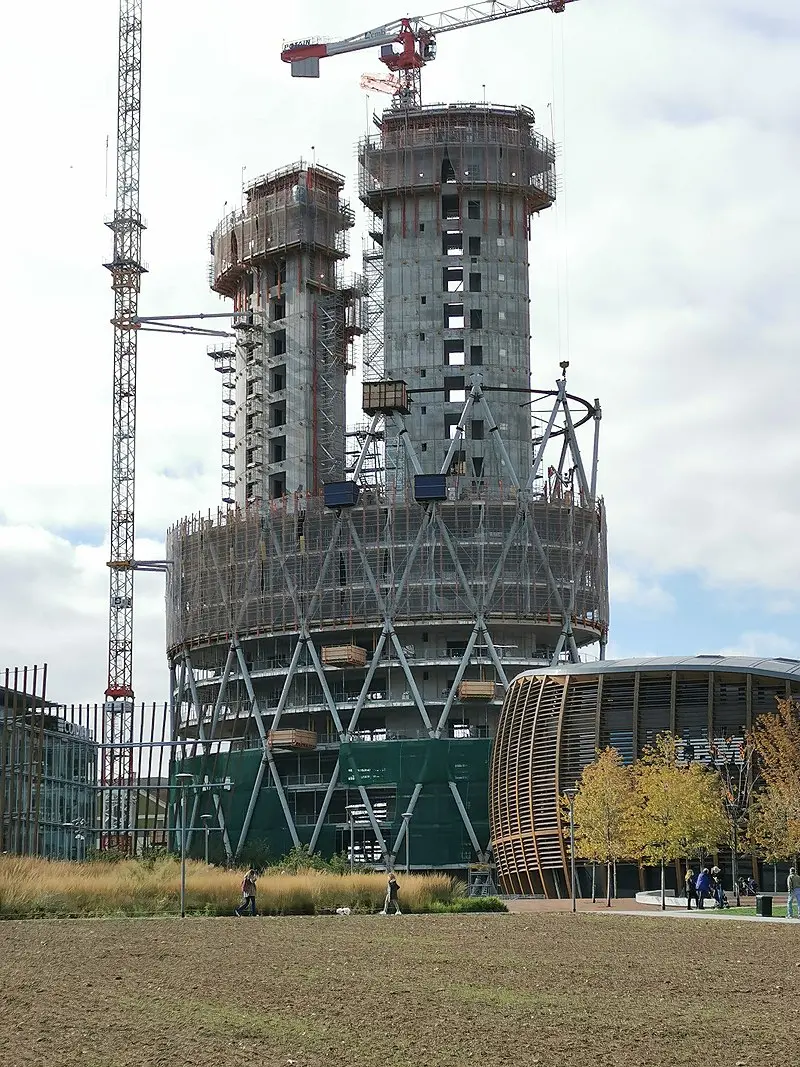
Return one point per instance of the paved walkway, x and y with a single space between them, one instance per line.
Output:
629 906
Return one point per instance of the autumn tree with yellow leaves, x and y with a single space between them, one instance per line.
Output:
603 811
774 830
678 808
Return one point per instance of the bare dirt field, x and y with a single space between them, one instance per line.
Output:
551 990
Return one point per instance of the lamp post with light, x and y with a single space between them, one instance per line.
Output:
407 824
570 795
206 819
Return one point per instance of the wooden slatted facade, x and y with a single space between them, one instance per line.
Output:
553 719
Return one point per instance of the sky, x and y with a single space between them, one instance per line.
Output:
667 276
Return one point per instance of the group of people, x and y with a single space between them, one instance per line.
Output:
706 885
248 904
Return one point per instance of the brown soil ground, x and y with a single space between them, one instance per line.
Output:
494 990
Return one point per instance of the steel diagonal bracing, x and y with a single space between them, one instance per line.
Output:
386 632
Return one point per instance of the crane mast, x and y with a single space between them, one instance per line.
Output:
126 271
416 36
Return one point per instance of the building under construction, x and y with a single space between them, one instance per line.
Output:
342 630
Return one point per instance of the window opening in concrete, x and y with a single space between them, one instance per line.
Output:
448 172
278 378
423 447
501 315
454 392
474 246
476 319
423 300
452 279
458 464
450 206
450 426
476 355
454 352
423 410
474 282
277 486
424 635
454 316
473 209
279 309
277 415
477 465
422 227
279 343
278 273
423 373
453 244
422 337
277 450
477 429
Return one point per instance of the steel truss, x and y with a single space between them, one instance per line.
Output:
193 710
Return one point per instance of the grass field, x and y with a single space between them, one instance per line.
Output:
368 991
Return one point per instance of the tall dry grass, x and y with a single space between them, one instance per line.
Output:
33 887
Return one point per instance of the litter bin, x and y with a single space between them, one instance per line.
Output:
763 905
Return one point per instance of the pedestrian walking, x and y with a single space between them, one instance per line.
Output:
248 894
793 893
703 887
392 889
690 883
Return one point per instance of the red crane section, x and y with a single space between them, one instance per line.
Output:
416 37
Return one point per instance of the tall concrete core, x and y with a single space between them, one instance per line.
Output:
452 189
278 258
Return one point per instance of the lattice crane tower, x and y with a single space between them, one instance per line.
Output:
126 270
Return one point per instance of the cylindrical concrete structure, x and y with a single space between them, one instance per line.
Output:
278 259
454 188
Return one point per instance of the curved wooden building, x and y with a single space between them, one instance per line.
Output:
554 719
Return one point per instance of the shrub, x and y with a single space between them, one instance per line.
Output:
465 904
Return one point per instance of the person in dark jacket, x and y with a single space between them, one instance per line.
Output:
392 888
691 889
248 894
703 887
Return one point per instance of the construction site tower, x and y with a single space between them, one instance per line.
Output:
452 189
278 259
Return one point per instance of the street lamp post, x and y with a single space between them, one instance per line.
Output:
351 809
183 779
406 821
206 821
570 793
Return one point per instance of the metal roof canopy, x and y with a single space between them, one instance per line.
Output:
778 666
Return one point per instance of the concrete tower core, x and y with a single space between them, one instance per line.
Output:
452 189
279 259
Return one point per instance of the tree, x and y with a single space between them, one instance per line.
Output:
678 808
603 807
776 740
771 833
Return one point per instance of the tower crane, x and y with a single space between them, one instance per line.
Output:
416 38
126 271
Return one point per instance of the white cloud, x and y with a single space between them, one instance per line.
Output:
757 643
680 131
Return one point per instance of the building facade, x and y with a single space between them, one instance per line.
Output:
555 719
48 779
350 638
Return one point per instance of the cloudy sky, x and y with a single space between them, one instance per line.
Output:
668 276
